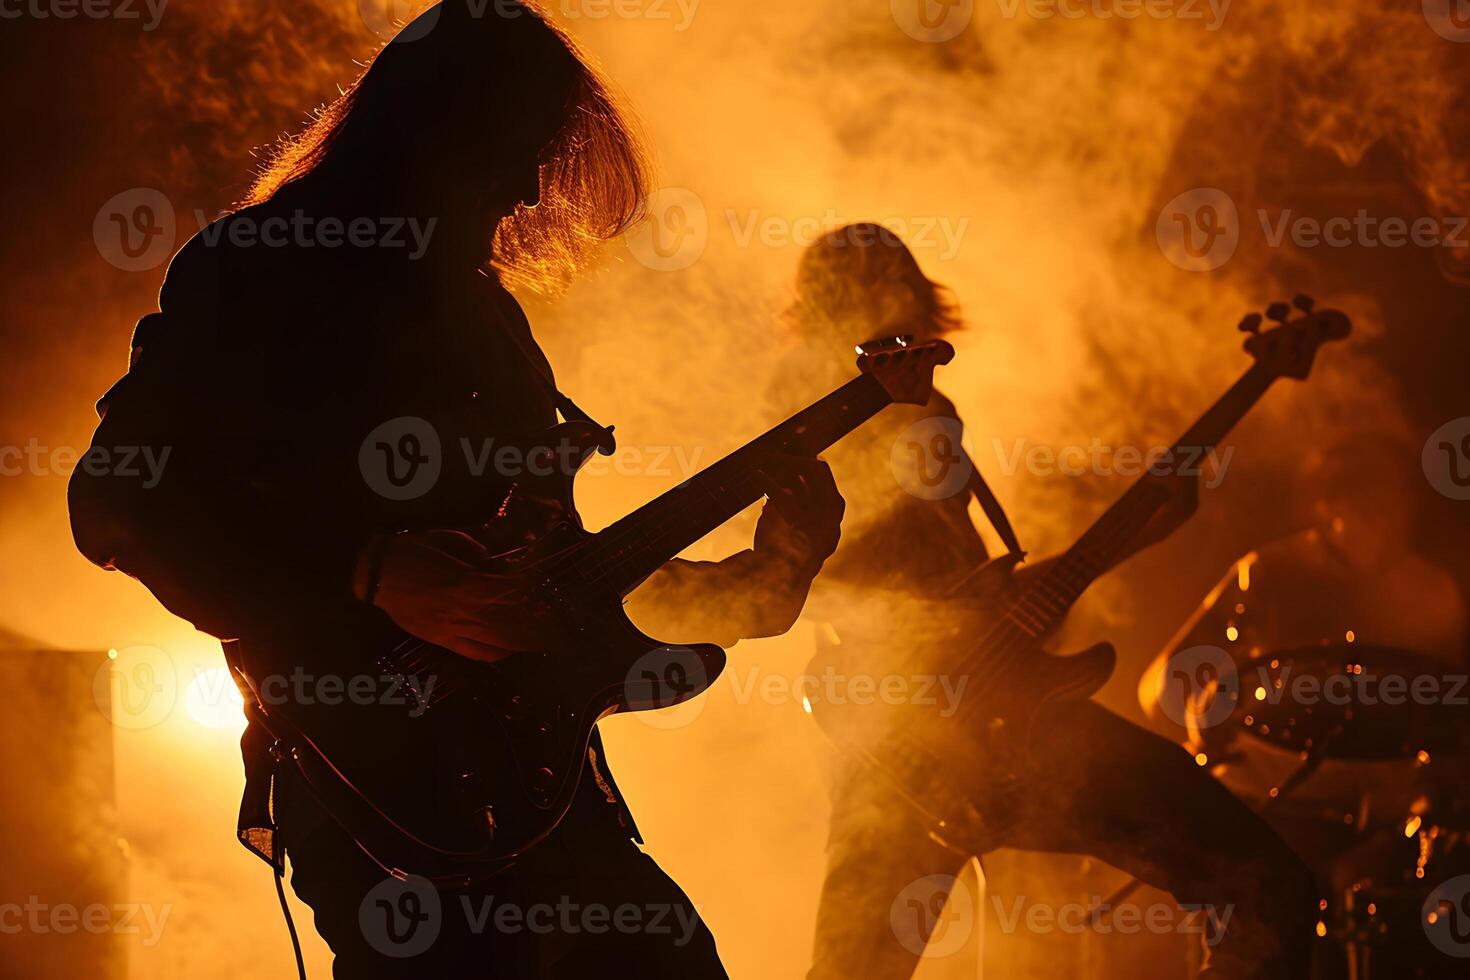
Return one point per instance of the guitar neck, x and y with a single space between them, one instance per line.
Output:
627 552
1045 604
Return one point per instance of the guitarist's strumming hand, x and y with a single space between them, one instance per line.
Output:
430 583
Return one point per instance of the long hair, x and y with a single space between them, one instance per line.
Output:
501 86
841 276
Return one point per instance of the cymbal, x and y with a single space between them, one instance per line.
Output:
1352 701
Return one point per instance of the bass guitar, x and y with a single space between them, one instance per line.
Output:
1006 676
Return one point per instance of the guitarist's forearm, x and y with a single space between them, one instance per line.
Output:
745 596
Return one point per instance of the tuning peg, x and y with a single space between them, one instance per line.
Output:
1303 302
1251 323
1278 312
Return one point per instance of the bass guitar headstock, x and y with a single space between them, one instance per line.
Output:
904 367
1288 349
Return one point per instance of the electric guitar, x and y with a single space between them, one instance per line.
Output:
1006 675
479 762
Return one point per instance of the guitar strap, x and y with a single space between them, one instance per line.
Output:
994 512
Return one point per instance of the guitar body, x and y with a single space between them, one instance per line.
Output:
960 764
456 767
451 768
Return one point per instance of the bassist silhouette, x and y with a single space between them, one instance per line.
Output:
1087 781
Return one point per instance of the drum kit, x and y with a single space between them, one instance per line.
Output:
1398 883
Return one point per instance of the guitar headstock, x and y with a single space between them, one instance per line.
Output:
903 366
1288 349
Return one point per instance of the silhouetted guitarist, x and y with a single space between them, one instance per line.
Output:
301 389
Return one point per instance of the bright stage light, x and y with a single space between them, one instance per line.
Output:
213 701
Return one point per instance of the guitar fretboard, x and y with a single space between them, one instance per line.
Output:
622 555
1045 604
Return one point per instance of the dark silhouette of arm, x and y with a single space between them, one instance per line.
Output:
199 526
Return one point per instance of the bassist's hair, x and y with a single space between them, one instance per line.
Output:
840 274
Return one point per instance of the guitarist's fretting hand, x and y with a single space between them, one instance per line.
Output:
429 584
802 518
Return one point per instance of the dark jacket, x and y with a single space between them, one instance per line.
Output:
280 381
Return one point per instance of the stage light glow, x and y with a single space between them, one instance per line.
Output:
213 701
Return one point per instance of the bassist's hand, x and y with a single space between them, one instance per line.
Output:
433 586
